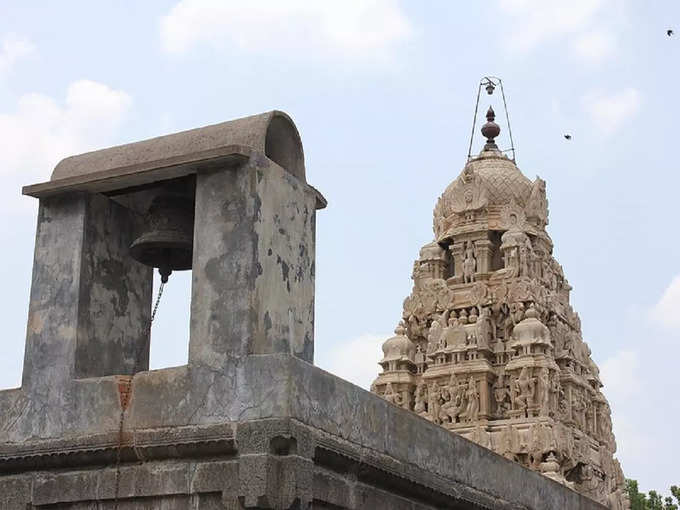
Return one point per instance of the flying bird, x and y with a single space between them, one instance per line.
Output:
567 136
669 32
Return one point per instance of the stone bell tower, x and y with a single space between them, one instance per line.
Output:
157 202
488 345
249 422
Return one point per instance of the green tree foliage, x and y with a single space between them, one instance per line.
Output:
653 500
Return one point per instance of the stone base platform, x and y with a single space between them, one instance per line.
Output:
262 432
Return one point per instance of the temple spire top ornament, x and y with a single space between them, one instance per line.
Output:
490 130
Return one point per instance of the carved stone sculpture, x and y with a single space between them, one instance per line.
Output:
469 263
472 397
389 394
434 405
524 389
505 363
543 381
421 399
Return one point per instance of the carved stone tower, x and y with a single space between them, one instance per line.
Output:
489 347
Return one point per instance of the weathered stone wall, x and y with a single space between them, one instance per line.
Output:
287 431
253 271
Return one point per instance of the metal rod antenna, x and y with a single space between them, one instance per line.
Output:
507 118
474 120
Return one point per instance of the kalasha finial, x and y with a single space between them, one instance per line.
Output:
490 130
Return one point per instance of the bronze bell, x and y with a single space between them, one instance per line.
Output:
167 241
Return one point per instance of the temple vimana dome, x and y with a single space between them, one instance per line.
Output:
488 345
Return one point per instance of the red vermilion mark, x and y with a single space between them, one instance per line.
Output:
124 390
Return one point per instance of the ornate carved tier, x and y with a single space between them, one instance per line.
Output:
498 354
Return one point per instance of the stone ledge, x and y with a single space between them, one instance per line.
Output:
340 426
140 174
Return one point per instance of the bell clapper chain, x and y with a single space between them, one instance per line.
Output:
165 273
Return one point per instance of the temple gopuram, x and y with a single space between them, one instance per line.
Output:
489 346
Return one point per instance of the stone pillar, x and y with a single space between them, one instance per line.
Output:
485 408
456 250
483 252
253 266
90 301
115 296
55 287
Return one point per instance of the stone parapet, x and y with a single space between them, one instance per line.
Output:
278 433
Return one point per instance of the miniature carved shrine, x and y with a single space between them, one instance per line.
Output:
489 346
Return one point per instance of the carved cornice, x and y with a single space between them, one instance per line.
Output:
136 445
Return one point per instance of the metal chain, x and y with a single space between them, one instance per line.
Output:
155 306
122 407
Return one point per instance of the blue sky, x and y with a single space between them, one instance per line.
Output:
383 94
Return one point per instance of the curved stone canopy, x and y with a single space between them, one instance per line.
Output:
398 348
488 193
500 178
272 133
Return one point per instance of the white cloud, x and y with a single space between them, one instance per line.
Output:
12 49
640 385
666 310
594 46
366 29
619 374
355 360
624 383
610 112
41 131
537 21
577 24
